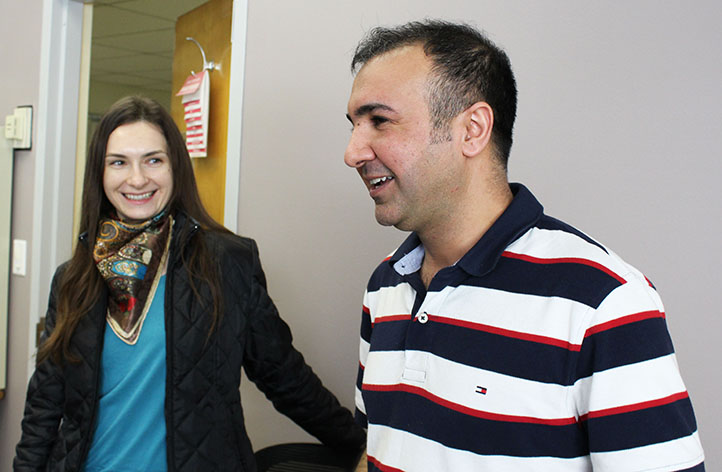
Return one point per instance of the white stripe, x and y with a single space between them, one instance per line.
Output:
558 318
363 351
457 383
629 299
358 397
554 317
413 453
389 301
682 453
190 115
629 385
552 244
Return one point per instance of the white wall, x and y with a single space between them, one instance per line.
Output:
619 133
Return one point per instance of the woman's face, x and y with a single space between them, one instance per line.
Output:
137 175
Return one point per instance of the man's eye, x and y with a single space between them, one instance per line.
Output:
378 120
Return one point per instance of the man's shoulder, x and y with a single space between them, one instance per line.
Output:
553 241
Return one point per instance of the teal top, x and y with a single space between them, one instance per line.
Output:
130 433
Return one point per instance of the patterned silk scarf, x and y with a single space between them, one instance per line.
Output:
131 257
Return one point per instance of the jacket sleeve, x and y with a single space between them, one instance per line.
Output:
281 373
43 405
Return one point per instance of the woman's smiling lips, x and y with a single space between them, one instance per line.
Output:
139 198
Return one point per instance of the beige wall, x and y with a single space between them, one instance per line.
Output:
618 132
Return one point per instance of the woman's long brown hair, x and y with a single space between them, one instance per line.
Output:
80 285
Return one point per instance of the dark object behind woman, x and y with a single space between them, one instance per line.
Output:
145 233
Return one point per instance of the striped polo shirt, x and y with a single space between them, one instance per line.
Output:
539 350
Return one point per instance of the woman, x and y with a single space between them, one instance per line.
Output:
150 321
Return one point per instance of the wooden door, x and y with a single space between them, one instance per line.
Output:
210 25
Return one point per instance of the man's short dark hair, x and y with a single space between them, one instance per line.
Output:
467 68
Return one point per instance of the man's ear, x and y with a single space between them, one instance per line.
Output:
479 121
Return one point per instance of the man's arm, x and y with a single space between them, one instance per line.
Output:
629 394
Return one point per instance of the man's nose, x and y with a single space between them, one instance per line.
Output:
358 151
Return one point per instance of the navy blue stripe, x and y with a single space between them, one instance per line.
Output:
422 417
623 345
640 428
383 276
359 377
360 418
373 468
389 335
551 223
697 468
365 326
479 349
578 282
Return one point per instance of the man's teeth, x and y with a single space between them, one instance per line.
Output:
138 197
380 180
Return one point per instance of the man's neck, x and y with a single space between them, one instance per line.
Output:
446 243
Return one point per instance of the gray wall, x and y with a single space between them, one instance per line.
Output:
619 133
20 30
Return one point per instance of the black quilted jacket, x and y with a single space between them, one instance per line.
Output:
204 418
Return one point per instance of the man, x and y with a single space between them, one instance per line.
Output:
495 337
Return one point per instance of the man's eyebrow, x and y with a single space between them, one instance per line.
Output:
369 108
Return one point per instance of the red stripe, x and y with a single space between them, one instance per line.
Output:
635 407
383 467
466 410
645 315
387 258
384 319
361 366
564 260
366 310
508 333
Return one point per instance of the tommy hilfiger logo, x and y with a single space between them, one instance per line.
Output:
481 390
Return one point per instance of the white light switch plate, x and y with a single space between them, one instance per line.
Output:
20 250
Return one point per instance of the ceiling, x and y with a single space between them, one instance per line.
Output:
133 41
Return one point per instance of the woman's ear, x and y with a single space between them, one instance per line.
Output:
478 120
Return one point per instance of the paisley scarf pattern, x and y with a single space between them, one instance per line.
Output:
130 258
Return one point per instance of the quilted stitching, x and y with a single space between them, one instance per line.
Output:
203 411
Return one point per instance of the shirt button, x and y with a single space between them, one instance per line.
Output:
423 318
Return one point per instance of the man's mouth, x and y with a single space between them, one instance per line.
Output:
139 197
378 182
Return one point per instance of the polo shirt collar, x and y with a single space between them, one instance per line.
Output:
522 214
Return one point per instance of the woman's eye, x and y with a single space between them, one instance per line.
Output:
154 161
